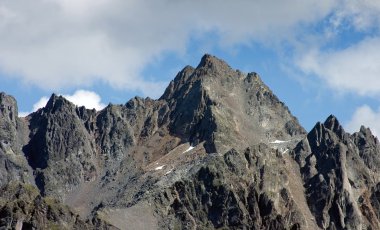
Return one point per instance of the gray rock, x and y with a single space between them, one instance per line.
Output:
13 135
339 176
226 108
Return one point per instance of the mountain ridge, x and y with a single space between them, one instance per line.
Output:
217 150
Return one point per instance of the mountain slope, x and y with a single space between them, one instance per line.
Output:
227 108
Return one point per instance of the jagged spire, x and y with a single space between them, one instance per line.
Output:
333 124
212 62
57 102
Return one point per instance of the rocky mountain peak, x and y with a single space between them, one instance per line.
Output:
333 124
366 131
365 138
211 62
58 103
9 121
368 146
8 107
338 168
178 86
209 67
217 104
323 134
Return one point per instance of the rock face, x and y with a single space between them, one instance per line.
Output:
338 170
226 108
13 136
218 150
22 207
236 190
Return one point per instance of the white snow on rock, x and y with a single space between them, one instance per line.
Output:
168 172
278 142
285 151
189 149
159 167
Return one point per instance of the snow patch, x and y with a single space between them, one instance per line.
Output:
189 149
285 151
159 167
278 142
168 172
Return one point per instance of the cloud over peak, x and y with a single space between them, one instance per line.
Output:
55 44
85 98
365 115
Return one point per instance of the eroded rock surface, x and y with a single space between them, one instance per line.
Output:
339 175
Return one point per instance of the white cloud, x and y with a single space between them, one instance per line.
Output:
362 15
40 103
85 98
364 115
64 43
354 69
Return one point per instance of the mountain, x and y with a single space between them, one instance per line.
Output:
218 150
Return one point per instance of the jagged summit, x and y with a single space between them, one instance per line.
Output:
331 119
333 124
213 63
226 108
58 102
340 174
367 132
209 66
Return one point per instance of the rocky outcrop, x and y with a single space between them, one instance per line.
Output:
61 149
338 176
234 191
226 108
22 207
13 136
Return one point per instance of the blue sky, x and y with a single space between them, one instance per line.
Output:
319 57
